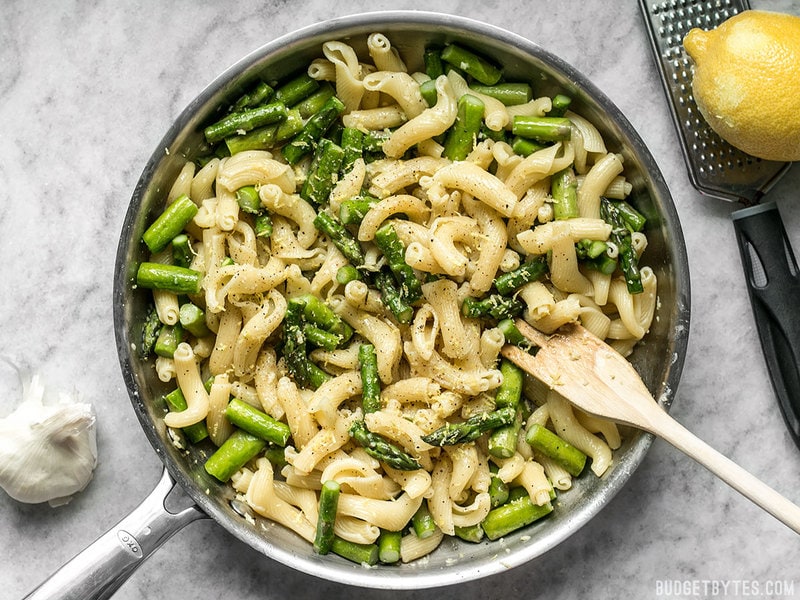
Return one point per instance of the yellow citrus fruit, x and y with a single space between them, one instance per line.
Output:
746 82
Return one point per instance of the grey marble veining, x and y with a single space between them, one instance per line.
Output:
87 90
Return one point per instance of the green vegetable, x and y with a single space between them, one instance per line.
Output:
305 141
181 250
323 174
389 546
392 297
562 452
168 339
248 199
377 447
560 105
370 381
233 454
472 64
532 270
260 94
513 515
422 522
352 210
257 422
297 89
171 278
621 237
193 319
245 120
471 533
341 237
463 134
328 503
150 328
472 428
352 146
387 240
509 94
564 189
169 223
543 129
494 306
363 554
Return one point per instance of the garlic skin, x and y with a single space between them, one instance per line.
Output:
48 452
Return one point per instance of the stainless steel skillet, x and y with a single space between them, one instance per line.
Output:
103 567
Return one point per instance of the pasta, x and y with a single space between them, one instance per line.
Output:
323 329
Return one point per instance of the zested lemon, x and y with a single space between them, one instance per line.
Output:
746 82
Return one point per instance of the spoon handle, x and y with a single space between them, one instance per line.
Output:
728 471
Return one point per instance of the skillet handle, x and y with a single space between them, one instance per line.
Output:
100 569
774 288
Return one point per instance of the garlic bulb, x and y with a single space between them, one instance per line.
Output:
47 451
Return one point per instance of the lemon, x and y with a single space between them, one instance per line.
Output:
746 82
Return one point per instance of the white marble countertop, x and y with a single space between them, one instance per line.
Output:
86 92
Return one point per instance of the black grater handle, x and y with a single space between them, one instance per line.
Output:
773 284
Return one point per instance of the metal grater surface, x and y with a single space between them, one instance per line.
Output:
715 167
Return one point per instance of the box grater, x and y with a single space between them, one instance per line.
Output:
721 171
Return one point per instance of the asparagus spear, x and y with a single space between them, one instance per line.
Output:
494 305
509 93
234 453
294 344
313 130
560 105
193 319
552 445
262 138
248 199
181 250
422 522
340 237
392 297
471 533
564 189
377 447
387 240
352 147
532 270
512 516
461 137
328 502
172 278
370 381
317 312
543 129
621 237
297 89
432 59
257 422
245 120
472 64
513 336
363 554
168 339
352 210
323 173
503 441
150 329
169 223
389 546
472 428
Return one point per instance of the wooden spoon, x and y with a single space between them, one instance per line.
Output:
597 379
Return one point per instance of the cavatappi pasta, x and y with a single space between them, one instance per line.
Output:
306 247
